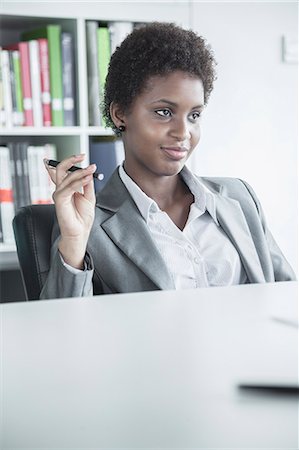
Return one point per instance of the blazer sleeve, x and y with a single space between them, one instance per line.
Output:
282 269
61 282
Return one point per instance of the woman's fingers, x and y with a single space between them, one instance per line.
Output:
57 174
63 167
75 181
88 190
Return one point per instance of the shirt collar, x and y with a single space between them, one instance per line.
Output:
204 199
144 203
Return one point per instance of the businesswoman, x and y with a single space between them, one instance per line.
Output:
156 225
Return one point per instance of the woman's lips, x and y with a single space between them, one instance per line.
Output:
175 153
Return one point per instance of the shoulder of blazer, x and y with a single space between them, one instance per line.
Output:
113 194
234 188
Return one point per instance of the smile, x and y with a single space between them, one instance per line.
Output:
175 153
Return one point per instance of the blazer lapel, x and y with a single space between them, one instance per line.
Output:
233 222
127 229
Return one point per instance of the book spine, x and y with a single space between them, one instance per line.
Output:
18 85
45 81
6 88
42 179
33 174
50 152
38 182
103 57
93 74
53 34
54 45
19 176
26 83
6 196
13 90
16 167
35 83
68 79
12 166
25 177
1 228
2 112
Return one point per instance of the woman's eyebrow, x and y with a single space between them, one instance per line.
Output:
164 100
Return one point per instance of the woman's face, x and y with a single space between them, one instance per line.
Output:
163 125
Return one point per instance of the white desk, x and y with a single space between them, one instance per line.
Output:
151 370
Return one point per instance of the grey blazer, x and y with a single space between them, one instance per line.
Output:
122 257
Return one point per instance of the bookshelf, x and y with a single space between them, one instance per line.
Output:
19 17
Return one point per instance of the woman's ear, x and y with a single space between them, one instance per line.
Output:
117 115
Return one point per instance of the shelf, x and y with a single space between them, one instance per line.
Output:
56 131
44 131
99 131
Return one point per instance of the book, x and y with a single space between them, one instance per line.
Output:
12 170
23 48
103 38
93 74
50 152
68 77
16 174
18 86
118 32
107 153
53 34
26 83
6 196
2 112
45 81
35 75
1 230
40 184
33 152
19 197
24 182
7 98
13 90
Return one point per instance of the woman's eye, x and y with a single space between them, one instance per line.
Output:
195 115
163 112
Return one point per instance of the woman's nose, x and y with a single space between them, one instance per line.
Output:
180 129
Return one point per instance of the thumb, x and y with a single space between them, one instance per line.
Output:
51 171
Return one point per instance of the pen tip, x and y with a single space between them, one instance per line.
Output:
100 176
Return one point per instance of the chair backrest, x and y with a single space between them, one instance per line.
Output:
32 228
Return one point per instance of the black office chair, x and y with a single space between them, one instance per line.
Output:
32 228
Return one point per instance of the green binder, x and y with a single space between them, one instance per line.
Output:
17 71
53 34
103 56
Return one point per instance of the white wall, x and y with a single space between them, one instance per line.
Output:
250 126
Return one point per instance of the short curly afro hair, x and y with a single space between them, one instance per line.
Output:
155 49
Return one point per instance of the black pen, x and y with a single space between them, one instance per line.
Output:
53 163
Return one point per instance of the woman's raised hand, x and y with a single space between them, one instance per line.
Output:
74 199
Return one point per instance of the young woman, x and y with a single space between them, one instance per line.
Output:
156 225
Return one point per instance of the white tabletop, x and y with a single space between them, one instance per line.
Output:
152 370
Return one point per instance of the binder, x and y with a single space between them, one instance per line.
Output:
53 34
